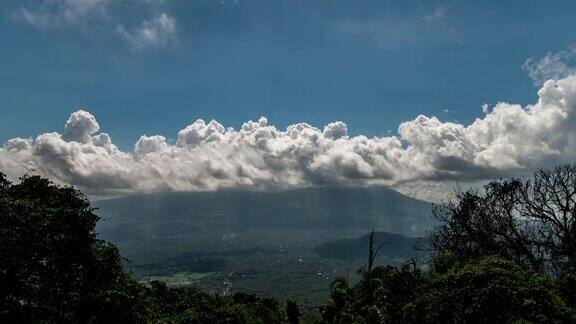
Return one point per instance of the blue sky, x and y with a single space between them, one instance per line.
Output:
415 95
372 64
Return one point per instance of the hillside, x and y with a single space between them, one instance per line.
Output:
319 208
246 240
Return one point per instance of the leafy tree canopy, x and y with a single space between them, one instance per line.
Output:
54 269
531 221
504 254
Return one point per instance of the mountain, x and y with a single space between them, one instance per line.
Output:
289 243
318 208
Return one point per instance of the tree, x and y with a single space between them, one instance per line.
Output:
191 305
490 290
379 296
53 267
530 221
504 254
292 312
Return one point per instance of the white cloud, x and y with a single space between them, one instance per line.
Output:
551 66
439 13
336 130
424 155
390 31
149 144
200 132
80 126
18 144
58 13
158 30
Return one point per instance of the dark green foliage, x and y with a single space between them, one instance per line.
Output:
531 221
191 305
504 255
488 266
53 266
292 312
54 269
566 284
379 297
488 291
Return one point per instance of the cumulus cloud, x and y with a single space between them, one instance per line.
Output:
18 144
336 130
425 153
80 126
149 144
158 28
200 132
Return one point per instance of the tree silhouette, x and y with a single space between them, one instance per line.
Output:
502 254
54 269
530 221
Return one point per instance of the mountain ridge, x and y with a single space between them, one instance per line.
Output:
297 208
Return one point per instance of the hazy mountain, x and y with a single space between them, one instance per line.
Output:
321 208
288 243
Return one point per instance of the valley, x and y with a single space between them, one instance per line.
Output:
286 244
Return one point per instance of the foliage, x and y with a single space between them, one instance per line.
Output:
507 254
530 221
54 269
53 266
504 254
378 297
191 305
491 290
293 312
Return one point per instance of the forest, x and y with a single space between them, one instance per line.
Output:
501 253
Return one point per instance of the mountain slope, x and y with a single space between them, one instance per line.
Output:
320 208
290 243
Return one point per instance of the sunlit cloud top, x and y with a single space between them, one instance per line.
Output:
209 156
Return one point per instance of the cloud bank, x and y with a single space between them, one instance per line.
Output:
208 156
